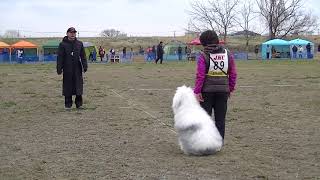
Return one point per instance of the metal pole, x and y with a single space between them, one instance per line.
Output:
10 55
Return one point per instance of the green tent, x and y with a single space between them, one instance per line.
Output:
89 47
172 47
171 50
51 47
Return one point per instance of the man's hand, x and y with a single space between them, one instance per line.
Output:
59 72
199 97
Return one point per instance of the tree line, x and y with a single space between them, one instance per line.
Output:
279 18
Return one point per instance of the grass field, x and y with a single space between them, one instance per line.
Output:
125 130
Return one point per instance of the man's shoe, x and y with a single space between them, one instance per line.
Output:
67 107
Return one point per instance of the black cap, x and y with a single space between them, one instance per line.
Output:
71 29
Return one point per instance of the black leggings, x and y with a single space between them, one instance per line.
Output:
218 102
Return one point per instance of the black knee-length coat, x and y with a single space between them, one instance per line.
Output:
71 62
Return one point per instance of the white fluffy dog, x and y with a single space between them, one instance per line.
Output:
197 132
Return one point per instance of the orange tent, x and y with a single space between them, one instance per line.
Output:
24 44
4 45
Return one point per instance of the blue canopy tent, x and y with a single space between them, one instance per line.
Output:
275 48
303 43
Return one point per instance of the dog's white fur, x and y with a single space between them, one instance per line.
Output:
197 132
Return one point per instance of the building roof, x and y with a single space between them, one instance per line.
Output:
244 32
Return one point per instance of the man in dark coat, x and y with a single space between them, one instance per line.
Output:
72 63
180 52
160 53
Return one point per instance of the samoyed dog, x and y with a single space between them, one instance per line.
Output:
197 132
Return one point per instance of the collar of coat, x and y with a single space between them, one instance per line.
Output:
65 39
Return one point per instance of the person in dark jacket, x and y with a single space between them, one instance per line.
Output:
180 53
72 63
124 53
102 52
308 47
294 51
160 52
215 79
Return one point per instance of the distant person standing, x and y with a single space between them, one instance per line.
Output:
141 51
20 54
149 54
72 63
91 56
94 55
112 52
300 51
160 52
180 53
256 51
308 47
294 51
188 52
112 55
124 53
268 51
131 53
101 53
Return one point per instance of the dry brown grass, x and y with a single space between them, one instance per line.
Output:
125 129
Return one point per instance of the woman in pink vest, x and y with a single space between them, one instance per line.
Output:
215 79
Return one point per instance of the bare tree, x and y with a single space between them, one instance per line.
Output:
218 15
284 17
12 34
244 21
112 33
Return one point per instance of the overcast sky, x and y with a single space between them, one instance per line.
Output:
90 17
